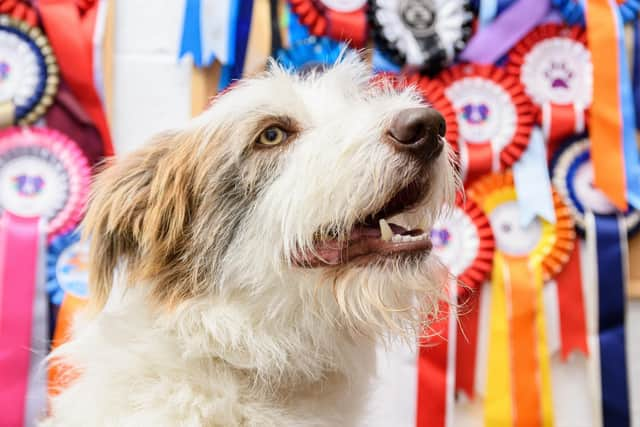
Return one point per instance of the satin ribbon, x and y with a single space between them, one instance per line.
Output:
498 404
487 12
60 376
560 122
437 367
573 328
466 345
613 145
36 401
18 235
243 26
494 40
636 70
533 185
478 159
71 36
610 245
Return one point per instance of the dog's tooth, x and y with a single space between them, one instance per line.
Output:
406 238
385 230
396 238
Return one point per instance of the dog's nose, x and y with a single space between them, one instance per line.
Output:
419 131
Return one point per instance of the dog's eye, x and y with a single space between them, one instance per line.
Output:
272 135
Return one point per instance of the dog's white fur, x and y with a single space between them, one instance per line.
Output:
240 336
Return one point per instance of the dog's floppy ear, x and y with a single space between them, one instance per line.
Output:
138 219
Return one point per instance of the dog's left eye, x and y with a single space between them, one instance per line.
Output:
272 135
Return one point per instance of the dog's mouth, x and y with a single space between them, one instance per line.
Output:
375 237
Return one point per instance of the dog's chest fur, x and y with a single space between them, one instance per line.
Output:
138 373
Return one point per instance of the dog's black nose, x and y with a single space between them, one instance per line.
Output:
418 130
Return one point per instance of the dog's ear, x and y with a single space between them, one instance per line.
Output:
138 219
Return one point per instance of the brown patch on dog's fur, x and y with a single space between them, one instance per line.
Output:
169 211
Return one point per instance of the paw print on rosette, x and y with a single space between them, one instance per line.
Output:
342 20
526 256
494 115
554 65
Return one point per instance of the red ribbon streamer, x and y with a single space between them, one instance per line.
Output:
573 328
431 409
466 346
479 161
70 33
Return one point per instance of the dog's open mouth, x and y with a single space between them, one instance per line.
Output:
374 237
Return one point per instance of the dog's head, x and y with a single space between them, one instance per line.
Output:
315 193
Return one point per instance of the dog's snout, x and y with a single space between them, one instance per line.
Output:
418 130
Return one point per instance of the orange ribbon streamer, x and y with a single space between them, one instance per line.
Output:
605 125
70 32
522 292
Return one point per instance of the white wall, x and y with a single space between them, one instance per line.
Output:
152 93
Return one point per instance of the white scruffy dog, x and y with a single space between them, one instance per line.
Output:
243 267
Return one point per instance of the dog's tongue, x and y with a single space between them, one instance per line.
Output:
363 240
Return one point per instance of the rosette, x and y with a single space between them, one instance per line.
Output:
310 53
572 176
518 358
67 271
554 65
426 34
495 117
339 19
463 241
43 174
28 72
571 11
606 230
629 9
433 93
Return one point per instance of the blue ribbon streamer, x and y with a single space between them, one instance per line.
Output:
533 186
243 26
487 11
629 144
611 320
571 10
636 70
191 41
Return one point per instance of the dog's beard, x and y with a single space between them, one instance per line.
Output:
395 295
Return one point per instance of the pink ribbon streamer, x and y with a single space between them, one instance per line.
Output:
18 272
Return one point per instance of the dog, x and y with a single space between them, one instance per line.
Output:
242 268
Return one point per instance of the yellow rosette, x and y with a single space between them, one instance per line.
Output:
519 373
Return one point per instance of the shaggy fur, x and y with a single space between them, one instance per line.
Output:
199 316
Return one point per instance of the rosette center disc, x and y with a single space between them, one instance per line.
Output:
455 241
485 111
558 70
511 237
590 195
33 182
19 69
419 16
344 5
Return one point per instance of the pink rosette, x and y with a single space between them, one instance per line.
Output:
43 173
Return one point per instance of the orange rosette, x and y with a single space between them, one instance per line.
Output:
554 65
519 385
344 20
495 117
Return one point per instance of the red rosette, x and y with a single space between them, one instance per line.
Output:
339 20
494 115
433 93
554 65
19 10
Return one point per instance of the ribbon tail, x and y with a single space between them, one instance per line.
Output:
191 40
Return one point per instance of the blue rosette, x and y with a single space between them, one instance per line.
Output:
310 53
67 267
573 12
28 72
572 176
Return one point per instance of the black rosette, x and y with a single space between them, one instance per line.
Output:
423 34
